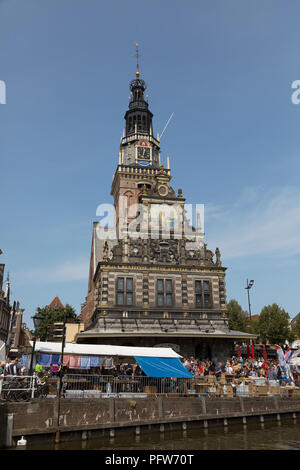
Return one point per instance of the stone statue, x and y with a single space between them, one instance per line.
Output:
105 250
218 257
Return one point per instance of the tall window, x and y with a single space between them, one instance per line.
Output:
198 294
124 291
203 294
164 292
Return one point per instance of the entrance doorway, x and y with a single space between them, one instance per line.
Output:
203 351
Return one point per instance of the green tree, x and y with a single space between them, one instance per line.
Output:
53 315
273 325
238 318
253 327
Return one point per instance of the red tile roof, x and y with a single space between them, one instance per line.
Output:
56 303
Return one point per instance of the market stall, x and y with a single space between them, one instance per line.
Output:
155 362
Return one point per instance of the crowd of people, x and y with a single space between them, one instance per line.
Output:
239 367
11 367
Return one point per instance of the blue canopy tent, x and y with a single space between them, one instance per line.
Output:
162 367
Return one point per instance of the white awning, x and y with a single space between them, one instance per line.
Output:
102 350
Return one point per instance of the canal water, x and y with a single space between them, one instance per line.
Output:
284 435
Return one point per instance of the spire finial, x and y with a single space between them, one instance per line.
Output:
137 55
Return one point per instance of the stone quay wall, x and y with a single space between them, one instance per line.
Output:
84 418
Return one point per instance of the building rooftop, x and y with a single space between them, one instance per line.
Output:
167 327
55 303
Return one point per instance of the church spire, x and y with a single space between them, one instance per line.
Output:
138 117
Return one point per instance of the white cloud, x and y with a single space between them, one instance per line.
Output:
67 271
257 223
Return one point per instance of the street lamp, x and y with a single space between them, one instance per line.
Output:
62 353
249 285
57 436
37 320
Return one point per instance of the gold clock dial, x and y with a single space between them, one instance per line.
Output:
143 153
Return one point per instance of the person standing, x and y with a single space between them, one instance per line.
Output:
18 367
8 367
218 371
54 369
14 368
211 368
38 368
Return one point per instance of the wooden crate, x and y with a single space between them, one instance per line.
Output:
291 392
262 390
223 379
211 379
150 389
224 392
201 387
229 391
274 389
229 378
258 390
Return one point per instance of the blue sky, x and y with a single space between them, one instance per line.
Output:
224 68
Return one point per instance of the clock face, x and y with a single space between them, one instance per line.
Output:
163 190
144 153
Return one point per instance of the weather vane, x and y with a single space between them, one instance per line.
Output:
137 55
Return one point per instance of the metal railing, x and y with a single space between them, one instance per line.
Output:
99 385
25 388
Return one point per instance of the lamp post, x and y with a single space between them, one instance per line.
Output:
37 320
249 285
62 354
57 434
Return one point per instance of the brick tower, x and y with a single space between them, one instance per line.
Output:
154 283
